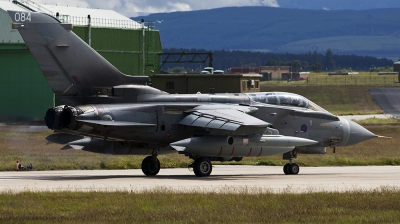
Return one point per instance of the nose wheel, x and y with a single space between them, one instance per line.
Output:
151 166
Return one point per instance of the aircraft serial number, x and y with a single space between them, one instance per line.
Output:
22 17
175 127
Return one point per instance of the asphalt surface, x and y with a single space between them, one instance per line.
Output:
225 178
388 99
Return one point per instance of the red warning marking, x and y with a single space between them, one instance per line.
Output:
233 149
260 152
146 152
250 151
220 151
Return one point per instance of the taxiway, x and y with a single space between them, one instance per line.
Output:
225 178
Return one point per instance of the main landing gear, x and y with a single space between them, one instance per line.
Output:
202 167
290 168
151 165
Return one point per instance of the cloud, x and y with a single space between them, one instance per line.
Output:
132 8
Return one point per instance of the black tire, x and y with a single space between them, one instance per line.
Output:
286 168
294 168
149 167
202 167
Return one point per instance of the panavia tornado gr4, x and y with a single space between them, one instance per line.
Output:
110 112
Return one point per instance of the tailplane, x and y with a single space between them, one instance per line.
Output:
71 67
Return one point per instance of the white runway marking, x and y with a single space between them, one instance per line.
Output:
224 178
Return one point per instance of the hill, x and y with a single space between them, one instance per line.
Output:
269 29
339 4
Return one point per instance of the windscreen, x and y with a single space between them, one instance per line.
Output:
284 99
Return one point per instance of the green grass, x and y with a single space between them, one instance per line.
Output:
379 121
164 206
371 79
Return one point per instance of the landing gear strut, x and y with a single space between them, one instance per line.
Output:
151 165
291 167
202 167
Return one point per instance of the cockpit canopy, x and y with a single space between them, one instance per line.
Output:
284 99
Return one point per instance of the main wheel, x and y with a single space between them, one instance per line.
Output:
202 167
294 168
286 168
149 167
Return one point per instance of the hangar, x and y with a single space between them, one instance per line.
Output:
25 95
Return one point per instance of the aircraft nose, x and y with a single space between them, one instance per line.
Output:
357 133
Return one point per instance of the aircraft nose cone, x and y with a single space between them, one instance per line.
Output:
358 134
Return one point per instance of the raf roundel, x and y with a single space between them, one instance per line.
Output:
303 128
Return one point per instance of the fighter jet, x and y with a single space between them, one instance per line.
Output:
105 111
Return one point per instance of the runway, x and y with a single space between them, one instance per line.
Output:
225 178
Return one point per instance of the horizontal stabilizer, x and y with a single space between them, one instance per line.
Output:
62 138
116 123
81 143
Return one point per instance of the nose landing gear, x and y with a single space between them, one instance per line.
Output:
151 165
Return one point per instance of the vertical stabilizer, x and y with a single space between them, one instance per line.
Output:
71 67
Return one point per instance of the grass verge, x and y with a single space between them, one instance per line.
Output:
163 206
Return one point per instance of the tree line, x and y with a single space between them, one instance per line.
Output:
311 61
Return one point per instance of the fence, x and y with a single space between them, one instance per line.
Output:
382 80
106 23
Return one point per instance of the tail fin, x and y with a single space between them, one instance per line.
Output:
71 67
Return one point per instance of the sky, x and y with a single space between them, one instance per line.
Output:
133 8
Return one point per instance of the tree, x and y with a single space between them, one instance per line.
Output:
226 59
314 57
329 62
304 66
295 65
274 63
316 67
